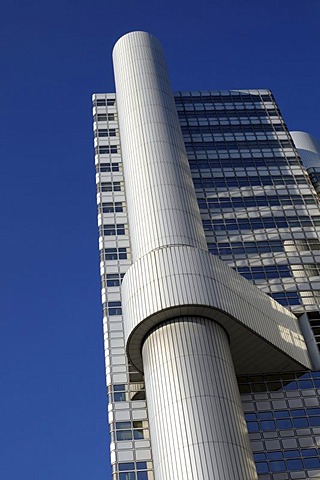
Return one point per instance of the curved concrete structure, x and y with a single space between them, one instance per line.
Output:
308 149
182 280
179 301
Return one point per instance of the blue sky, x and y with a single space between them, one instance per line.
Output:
53 418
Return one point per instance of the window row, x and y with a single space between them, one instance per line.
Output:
232 127
224 144
106 149
123 393
113 308
108 167
214 110
112 207
284 424
282 382
286 454
271 271
259 223
120 253
110 186
284 414
289 465
286 298
105 132
307 269
136 430
209 163
285 377
303 245
112 279
254 201
103 102
249 181
113 229
105 117
221 97
131 476
237 248
132 471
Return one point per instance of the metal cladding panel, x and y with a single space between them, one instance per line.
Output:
182 280
308 148
162 205
197 424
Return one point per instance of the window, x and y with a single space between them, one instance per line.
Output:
134 471
124 435
130 431
100 102
106 149
103 117
114 279
105 132
119 393
111 207
115 253
108 167
114 308
114 229
110 187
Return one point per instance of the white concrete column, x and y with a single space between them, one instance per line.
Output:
197 426
162 204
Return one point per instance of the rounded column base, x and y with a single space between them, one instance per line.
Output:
197 425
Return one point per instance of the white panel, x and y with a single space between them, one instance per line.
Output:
197 424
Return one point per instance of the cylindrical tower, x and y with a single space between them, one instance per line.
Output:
162 204
196 418
197 425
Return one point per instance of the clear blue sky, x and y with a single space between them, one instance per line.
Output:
53 419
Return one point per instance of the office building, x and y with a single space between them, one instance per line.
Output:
210 266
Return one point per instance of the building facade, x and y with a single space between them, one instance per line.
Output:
208 216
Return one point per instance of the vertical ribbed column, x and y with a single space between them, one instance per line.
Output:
162 204
197 425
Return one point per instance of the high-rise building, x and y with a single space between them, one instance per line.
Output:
210 266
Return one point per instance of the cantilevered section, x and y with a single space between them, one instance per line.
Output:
180 280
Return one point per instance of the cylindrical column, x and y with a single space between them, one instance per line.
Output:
197 426
162 205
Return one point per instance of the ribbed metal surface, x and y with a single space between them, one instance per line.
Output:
162 204
184 280
197 425
308 148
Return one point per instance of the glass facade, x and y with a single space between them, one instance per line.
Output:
261 216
